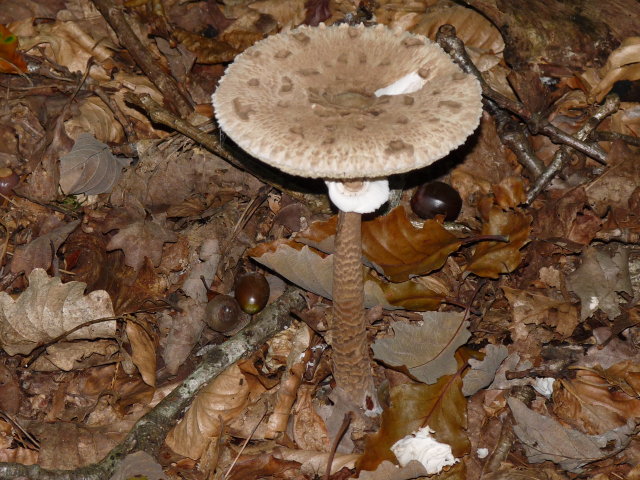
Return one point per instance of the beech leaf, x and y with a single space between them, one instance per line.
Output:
544 439
392 245
490 259
215 405
427 350
440 406
89 167
47 309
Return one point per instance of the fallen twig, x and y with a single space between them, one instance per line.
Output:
448 40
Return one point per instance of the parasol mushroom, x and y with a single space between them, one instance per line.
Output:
350 105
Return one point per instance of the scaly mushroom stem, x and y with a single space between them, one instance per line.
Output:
351 361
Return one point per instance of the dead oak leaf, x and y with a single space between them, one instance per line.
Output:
599 280
141 239
530 308
490 259
426 350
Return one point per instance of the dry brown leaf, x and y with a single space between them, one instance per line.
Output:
77 355
490 259
593 404
138 465
220 401
186 327
309 430
95 117
483 371
141 239
529 307
623 64
599 279
615 186
315 463
471 27
427 350
48 308
39 253
544 438
441 406
297 359
143 351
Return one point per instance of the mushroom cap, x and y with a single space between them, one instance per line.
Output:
305 102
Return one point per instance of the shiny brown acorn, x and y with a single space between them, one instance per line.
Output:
223 313
252 292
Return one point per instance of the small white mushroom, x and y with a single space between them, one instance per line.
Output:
350 105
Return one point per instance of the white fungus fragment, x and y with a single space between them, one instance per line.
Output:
544 386
421 446
482 452
593 303
412 82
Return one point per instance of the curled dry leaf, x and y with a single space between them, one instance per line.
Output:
89 167
95 117
544 439
312 271
186 328
490 259
471 27
76 355
47 309
220 401
593 404
143 351
427 350
623 64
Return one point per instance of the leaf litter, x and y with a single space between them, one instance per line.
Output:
525 346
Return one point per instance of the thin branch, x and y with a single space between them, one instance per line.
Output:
170 89
149 432
610 105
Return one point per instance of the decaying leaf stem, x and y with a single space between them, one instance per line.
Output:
352 365
149 432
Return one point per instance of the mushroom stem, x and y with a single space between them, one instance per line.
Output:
351 361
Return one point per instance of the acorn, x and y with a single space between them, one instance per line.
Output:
223 313
252 292
436 198
8 180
